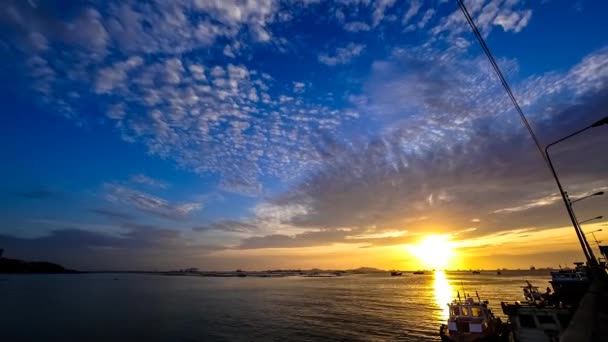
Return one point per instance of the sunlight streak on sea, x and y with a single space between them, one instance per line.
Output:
443 294
127 307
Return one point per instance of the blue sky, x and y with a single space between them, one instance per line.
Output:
235 133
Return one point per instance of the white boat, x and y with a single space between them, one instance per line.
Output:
539 318
472 320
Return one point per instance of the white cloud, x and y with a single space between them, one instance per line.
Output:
149 203
149 181
197 71
299 87
591 74
426 17
178 105
412 11
342 55
115 76
356 26
255 14
88 31
510 15
380 6
539 202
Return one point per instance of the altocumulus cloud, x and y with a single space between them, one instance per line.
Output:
437 153
467 165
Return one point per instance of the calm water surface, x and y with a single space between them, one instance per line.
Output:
139 307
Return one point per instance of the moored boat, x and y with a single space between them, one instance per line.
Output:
396 273
539 318
472 320
418 272
570 284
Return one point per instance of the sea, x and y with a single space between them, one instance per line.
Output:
152 307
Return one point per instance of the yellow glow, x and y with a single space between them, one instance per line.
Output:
434 251
443 294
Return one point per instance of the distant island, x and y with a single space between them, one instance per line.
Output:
16 266
24 267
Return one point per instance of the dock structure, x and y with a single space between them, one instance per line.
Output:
590 321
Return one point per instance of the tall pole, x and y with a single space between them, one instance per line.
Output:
577 228
594 238
590 258
588 254
578 223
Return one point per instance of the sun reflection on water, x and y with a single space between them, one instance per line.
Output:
443 294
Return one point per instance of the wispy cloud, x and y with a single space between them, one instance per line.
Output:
189 83
412 11
514 21
178 105
306 239
232 226
149 203
539 202
342 55
356 26
510 15
149 181
380 6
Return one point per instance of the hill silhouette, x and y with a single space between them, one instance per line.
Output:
8 265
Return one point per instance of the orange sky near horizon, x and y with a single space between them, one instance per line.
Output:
515 249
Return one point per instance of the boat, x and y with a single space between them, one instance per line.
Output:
476 272
570 284
539 318
472 320
418 272
498 272
396 273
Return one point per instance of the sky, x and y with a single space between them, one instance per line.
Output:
258 134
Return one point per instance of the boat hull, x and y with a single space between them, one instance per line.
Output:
501 334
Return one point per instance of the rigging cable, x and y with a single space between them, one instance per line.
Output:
584 244
502 78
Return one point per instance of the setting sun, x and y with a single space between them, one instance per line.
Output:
434 251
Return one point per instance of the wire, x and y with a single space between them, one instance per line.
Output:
502 78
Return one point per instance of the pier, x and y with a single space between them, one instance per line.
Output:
590 321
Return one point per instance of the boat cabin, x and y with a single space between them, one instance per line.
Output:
538 318
568 276
470 320
570 285
469 316
537 323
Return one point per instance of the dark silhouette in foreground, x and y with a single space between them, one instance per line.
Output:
21 266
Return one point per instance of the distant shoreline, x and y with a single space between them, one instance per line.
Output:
16 266
290 273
